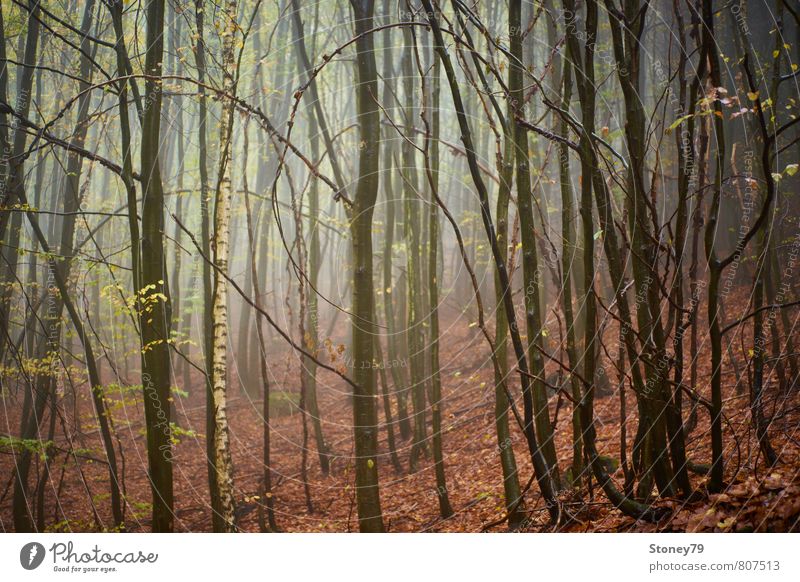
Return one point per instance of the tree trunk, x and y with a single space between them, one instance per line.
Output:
219 302
537 459
154 295
432 167
414 332
205 230
14 178
365 416
540 416
316 120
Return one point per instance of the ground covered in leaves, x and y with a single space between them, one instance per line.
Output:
757 498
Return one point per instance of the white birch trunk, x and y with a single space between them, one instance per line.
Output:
219 304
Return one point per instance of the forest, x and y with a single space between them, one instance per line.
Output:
399 266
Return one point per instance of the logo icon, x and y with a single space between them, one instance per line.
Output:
31 555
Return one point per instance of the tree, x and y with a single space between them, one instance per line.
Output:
14 166
535 402
412 226
219 301
431 147
537 459
312 309
337 203
365 416
205 222
154 301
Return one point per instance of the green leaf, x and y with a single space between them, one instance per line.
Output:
677 122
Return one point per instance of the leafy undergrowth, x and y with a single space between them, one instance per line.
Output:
756 497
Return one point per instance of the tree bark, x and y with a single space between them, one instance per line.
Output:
154 307
219 301
365 416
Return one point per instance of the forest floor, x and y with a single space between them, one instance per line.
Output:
756 497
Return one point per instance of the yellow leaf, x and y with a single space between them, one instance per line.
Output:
752 96
726 523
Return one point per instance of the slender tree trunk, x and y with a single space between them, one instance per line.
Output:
312 322
530 260
50 341
592 181
45 382
508 462
715 266
390 290
268 524
413 238
657 417
219 302
154 295
14 182
432 168
569 250
365 417
115 7
205 230
540 465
